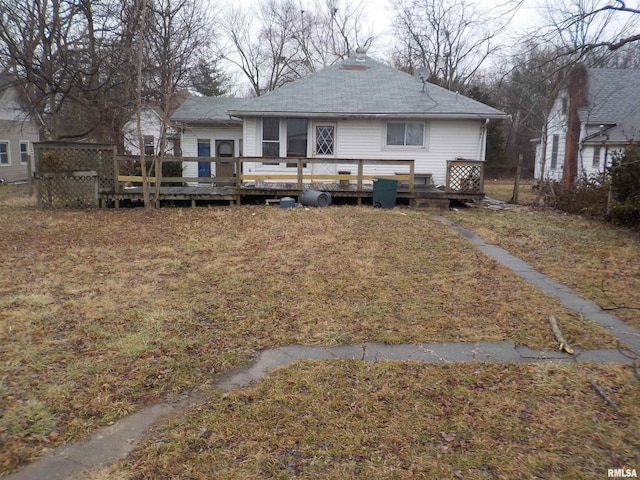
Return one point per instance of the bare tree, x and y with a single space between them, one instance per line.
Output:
69 56
450 37
176 37
284 40
589 31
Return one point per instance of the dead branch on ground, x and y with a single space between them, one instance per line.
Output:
564 345
600 392
616 306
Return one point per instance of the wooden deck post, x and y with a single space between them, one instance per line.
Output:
360 173
411 177
299 161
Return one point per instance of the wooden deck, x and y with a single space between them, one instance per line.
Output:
421 196
414 188
83 175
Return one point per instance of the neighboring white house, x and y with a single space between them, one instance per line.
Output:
151 126
595 113
355 109
17 134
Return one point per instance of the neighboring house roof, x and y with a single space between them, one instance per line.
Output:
364 87
613 100
207 110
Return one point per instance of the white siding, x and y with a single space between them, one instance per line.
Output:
585 159
151 124
15 128
366 139
191 135
557 124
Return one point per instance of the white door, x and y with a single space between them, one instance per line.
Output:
324 145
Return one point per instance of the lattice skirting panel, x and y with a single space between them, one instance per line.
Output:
63 191
466 178
60 158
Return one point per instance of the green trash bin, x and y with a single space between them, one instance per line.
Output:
385 191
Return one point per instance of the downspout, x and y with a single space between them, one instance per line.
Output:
482 147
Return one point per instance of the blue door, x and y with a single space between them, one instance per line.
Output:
204 150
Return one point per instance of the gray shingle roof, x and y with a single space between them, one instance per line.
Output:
364 88
613 98
207 110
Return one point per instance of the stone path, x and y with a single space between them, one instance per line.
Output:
115 442
570 299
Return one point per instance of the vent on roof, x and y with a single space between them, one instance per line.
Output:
354 67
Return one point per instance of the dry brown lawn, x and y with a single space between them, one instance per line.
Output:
503 190
102 311
599 261
403 420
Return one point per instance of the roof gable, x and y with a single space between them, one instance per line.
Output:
364 87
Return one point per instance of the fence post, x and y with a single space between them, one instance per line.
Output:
116 172
30 175
516 185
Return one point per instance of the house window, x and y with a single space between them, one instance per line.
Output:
596 157
270 137
4 153
177 146
149 144
405 134
565 105
554 152
24 152
296 139
325 139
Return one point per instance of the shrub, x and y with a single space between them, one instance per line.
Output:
588 197
625 183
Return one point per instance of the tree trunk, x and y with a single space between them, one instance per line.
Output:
143 164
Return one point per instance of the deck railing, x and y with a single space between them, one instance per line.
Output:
127 168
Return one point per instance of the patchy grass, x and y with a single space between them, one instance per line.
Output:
597 260
16 196
353 420
503 190
102 311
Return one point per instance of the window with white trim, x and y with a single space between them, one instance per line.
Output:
24 152
406 134
325 139
4 153
596 157
554 151
270 139
149 144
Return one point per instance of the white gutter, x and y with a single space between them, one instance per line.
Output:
463 116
